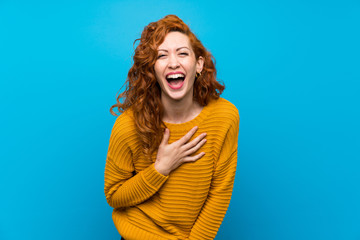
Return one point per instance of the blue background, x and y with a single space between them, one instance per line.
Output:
290 67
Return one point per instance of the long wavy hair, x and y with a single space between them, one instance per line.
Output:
143 93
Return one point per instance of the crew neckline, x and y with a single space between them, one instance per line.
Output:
193 122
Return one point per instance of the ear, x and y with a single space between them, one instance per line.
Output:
199 64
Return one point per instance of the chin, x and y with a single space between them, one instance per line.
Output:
178 95
175 97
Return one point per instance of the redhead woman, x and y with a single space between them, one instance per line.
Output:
172 153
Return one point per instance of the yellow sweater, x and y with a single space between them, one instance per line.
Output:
191 202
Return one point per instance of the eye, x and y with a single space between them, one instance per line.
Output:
161 55
184 54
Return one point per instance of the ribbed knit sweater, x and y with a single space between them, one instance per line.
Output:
189 203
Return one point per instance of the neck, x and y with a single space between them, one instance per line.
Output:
180 111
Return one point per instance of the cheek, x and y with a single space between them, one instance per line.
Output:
191 65
192 69
158 69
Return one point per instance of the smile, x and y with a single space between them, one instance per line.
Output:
175 80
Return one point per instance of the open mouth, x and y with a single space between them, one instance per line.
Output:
175 81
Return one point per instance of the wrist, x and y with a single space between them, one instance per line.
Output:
161 170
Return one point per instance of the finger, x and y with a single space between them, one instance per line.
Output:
194 149
193 158
194 142
166 137
187 136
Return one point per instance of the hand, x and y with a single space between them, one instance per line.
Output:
171 156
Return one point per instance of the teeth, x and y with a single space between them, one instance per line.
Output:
178 75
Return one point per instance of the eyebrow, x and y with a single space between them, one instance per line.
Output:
176 49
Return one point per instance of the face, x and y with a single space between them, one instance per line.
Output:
176 66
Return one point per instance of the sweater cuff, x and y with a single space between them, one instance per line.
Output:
153 178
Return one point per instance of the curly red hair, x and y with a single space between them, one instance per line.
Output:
142 93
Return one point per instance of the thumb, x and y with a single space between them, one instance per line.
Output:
166 137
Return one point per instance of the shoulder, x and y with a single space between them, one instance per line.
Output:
225 105
124 126
126 118
225 110
123 139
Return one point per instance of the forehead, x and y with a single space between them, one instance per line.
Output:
174 40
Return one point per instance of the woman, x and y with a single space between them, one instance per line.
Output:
163 178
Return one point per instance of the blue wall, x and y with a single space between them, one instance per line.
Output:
290 67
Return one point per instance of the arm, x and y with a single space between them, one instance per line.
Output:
122 188
217 202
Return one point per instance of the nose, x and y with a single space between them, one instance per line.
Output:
173 62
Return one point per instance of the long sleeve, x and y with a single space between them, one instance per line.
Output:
192 201
122 187
215 207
